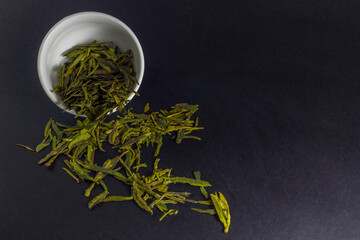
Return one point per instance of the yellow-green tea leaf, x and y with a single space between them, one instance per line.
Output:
24 146
147 108
97 199
210 211
117 198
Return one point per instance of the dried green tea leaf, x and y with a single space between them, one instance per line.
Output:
157 151
56 129
162 207
192 137
169 212
78 170
210 211
136 193
117 198
206 202
131 141
90 154
43 145
59 149
48 163
147 108
197 176
137 167
47 127
73 53
96 168
156 164
54 142
226 210
24 146
71 174
97 199
82 137
103 185
222 209
89 189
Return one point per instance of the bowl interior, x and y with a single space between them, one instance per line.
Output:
83 28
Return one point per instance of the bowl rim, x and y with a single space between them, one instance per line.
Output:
139 73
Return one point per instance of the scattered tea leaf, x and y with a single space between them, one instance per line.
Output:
24 146
197 176
210 211
71 174
97 199
222 209
117 198
147 108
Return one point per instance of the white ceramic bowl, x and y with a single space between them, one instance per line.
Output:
82 28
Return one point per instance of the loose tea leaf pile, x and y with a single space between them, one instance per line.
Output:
96 81
126 133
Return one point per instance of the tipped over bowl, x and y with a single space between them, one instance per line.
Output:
83 28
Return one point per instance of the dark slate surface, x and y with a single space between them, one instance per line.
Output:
278 87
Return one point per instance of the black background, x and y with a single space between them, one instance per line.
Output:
278 87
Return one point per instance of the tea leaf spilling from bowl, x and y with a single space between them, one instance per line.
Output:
128 133
96 79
